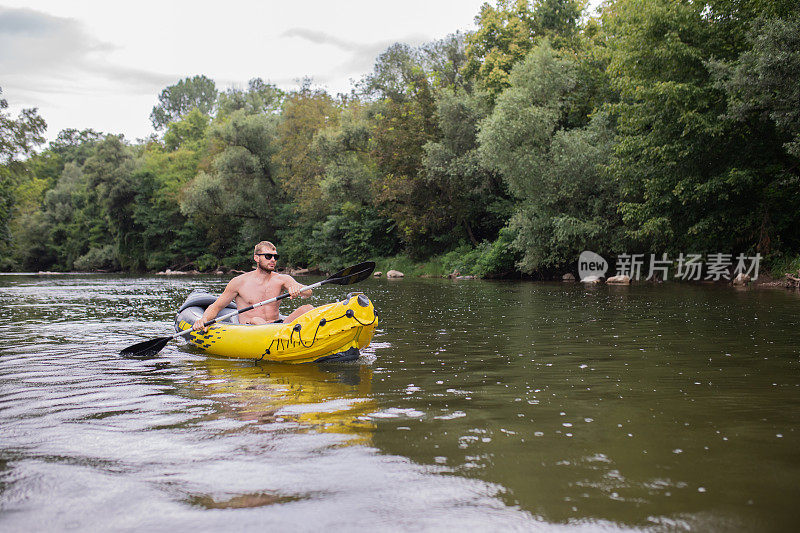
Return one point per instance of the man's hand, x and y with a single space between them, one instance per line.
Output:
297 290
198 325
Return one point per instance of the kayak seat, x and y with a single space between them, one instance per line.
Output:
196 304
203 299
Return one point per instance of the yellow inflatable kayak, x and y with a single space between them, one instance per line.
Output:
332 332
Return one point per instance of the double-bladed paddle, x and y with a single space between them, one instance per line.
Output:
346 276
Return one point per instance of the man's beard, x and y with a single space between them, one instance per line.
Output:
266 269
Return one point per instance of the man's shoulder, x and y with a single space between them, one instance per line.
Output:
241 278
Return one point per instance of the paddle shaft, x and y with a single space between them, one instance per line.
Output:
249 308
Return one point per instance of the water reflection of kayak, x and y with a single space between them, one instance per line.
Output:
332 332
322 398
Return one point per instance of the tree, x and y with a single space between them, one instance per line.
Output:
762 81
188 131
75 146
444 60
395 70
234 198
305 113
177 100
762 103
350 227
18 137
565 202
474 203
400 131
508 31
112 186
692 179
259 98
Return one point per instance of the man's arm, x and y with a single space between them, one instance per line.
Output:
293 288
230 292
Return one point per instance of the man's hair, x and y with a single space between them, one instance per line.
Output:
264 245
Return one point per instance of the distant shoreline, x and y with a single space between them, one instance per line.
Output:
766 280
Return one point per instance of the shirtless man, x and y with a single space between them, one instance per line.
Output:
256 286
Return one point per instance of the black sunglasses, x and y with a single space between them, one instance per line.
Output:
270 256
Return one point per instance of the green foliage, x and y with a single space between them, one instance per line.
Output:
779 264
259 98
497 258
474 204
75 146
305 113
98 258
189 131
206 262
508 31
489 259
176 101
566 203
444 60
432 267
349 235
232 199
403 123
504 36
763 81
396 70
691 178
18 137
514 138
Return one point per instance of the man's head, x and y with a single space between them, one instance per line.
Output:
266 256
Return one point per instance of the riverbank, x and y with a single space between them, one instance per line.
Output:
774 273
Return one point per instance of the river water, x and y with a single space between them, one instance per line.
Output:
481 405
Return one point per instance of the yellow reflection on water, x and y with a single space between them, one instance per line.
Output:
333 398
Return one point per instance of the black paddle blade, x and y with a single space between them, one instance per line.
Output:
352 274
145 349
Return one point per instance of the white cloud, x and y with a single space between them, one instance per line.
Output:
358 57
43 54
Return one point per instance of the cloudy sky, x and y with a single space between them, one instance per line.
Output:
101 64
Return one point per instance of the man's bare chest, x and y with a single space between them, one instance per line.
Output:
253 291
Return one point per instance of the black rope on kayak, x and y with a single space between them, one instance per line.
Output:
266 352
296 329
374 316
300 336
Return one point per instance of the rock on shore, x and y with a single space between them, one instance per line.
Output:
169 272
741 279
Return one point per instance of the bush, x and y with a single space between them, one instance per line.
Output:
488 259
779 264
350 235
206 262
499 258
104 258
158 261
237 262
